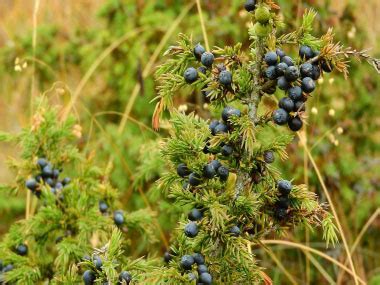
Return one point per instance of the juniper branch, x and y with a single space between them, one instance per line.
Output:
253 101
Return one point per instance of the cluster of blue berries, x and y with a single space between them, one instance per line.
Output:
22 250
49 176
4 268
297 81
219 127
118 215
207 59
281 209
89 276
187 263
191 229
211 170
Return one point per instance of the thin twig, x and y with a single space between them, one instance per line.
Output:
199 7
306 182
317 252
34 44
320 178
94 66
281 266
359 237
320 268
148 68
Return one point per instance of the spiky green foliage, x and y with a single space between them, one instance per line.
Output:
67 222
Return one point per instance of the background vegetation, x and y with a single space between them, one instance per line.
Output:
98 57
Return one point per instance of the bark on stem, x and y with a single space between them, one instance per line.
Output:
253 100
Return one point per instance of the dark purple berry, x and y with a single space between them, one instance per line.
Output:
280 213
223 173
118 218
183 170
235 231
288 60
22 249
227 150
66 181
167 257
198 51
228 112
308 85
221 128
284 187
205 278
281 68
125 277
282 83
194 179
47 172
283 202
88 277
103 207
271 58
250 5
97 262
39 178
270 72
187 262
58 185
198 258
225 77
209 171
213 125
306 69
269 156
207 59
190 75
292 73
202 268
49 181
280 52
216 164
295 124
295 93
56 173
8 268
191 230
31 184
280 117
306 52
42 162
287 104
316 73
195 215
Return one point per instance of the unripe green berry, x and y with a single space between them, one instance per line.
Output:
262 31
262 15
